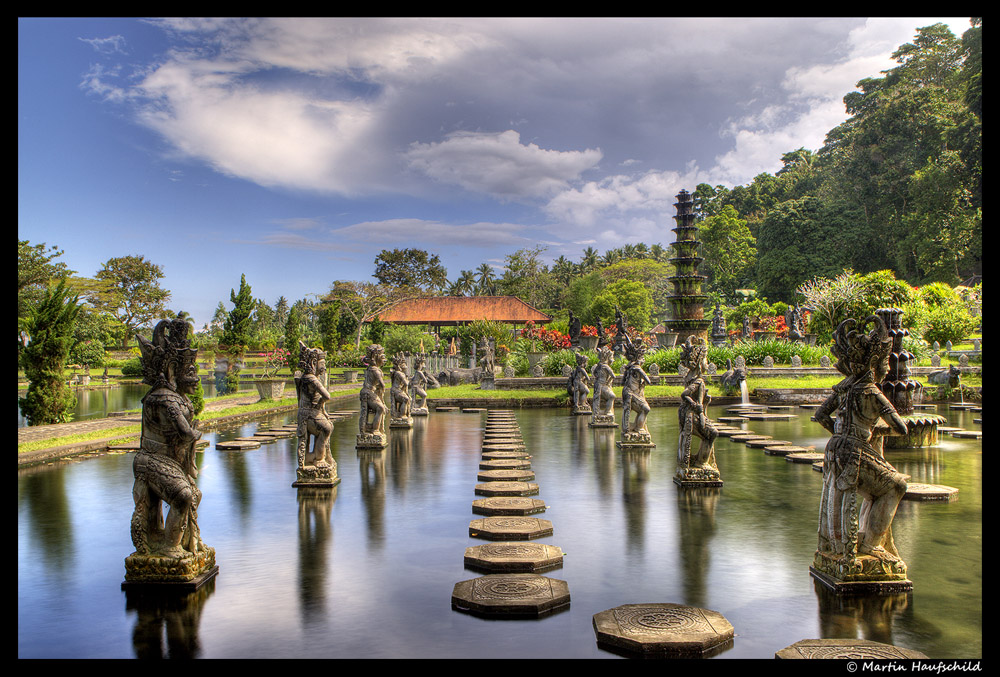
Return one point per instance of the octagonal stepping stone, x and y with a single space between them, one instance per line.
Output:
506 454
506 446
769 417
809 406
766 442
733 419
508 505
512 475
925 406
957 405
779 407
930 492
505 464
663 629
510 528
785 449
445 408
506 488
818 467
494 438
747 409
513 557
746 437
237 445
473 410
730 432
846 649
947 429
510 595
968 434
804 457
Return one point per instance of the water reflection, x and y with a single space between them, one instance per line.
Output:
866 617
315 540
371 464
696 516
166 624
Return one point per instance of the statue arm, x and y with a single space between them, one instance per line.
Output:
822 414
889 414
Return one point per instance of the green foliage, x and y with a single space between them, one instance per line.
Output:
237 329
634 299
293 334
50 326
581 293
938 294
410 268
948 323
748 309
729 249
401 338
131 292
198 398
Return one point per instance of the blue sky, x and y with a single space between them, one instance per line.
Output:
294 150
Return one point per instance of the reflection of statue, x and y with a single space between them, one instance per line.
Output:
168 550
696 467
634 381
316 466
604 396
420 381
399 396
372 430
579 386
855 543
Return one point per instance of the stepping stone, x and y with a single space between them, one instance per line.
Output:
930 492
663 630
510 528
818 467
445 408
770 417
513 475
505 464
733 419
510 595
977 420
779 407
473 410
946 429
749 436
513 557
278 434
767 442
925 406
784 450
507 505
804 457
846 649
744 410
506 488
237 445
503 446
968 434
956 405
506 454
730 432
809 406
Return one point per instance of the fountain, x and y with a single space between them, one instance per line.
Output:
903 391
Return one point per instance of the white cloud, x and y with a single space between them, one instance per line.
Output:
499 164
114 44
437 233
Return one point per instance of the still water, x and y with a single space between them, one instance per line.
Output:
369 572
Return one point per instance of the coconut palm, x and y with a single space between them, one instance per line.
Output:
589 260
486 278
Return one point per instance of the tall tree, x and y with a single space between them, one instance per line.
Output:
414 268
131 292
730 250
50 326
485 278
35 270
363 301
237 330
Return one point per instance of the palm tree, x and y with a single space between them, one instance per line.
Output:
486 278
611 256
589 260
658 253
467 282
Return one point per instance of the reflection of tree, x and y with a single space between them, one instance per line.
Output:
315 506
635 472
372 467
865 616
696 516
173 615
42 490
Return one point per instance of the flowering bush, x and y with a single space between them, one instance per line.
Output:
588 330
550 339
274 361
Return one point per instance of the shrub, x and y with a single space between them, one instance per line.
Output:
948 323
132 367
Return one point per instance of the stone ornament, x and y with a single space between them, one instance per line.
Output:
579 386
856 551
371 422
419 383
696 467
603 405
399 394
316 467
634 382
846 649
168 551
663 629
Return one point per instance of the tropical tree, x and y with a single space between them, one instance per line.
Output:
410 268
50 327
364 301
131 292
729 249
237 330
485 278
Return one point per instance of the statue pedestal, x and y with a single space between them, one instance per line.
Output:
375 440
922 431
401 422
638 439
487 383
603 421
861 575
697 477
319 476
188 572
583 410
420 411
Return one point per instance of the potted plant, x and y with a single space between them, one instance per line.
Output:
531 334
269 387
588 337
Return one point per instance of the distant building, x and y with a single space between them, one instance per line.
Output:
450 311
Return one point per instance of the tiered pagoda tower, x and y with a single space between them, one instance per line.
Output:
687 299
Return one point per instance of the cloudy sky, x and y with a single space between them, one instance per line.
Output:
294 150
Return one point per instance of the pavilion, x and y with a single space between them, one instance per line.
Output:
450 311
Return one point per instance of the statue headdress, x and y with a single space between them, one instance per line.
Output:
693 352
309 358
170 347
858 352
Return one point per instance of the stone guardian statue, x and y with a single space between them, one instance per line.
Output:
861 490
603 405
168 551
579 386
696 465
371 422
634 382
399 395
419 383
316 467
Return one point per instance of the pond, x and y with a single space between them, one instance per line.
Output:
369 572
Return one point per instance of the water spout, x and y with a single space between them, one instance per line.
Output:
743 393
961 395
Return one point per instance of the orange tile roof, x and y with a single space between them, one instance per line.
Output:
450 310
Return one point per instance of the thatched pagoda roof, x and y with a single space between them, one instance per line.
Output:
455 310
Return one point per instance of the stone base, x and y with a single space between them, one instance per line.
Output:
183 573
663 630
513 557
372 441
511 596
603 421
922 431
583 410
636 440
420 411
697 477
487 384
402 422
320 476
864 575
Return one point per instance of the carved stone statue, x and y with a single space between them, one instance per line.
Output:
719 334
371 423
856 550
316 466
747 332
621 325
796 328
604 397
601 338
399 395
419 382
634 382
488 360
575 327
579 386
170 550
696 467
732 377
